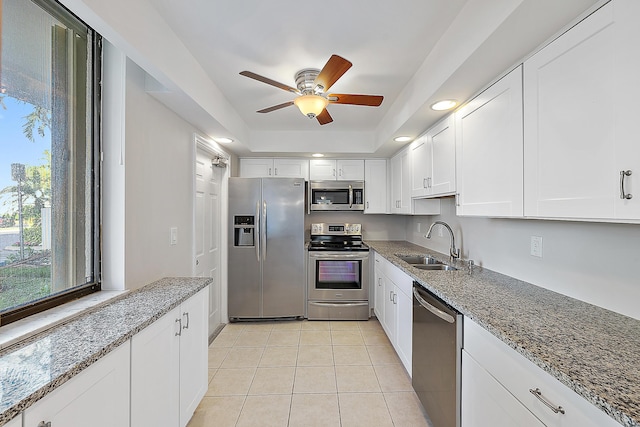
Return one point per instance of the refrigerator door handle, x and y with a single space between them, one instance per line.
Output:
264 230
257 232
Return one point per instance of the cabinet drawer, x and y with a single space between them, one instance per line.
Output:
519 375
402 280
485 402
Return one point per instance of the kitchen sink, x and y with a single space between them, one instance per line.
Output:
419 259
434 267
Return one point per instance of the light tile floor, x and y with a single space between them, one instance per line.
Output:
307 373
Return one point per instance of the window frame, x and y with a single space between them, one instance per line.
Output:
56 9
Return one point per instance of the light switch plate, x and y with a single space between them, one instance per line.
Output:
536 246
174 236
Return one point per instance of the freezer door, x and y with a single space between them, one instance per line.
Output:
245 290
283 269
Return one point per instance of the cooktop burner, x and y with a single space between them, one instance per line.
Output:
336 237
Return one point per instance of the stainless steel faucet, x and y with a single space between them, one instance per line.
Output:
453 252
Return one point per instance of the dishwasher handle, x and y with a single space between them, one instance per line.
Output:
441 314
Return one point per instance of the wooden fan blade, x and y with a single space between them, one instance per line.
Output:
268 81
345 98
324 117
275 107
335 67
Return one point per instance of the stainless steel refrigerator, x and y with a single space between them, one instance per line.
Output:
266 248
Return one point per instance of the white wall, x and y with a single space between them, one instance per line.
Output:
147 181
594 262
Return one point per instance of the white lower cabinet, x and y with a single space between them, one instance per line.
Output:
395 311
169 365
495 378
485 402
16 422
98 396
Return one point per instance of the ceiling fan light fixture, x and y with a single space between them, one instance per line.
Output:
445 104
311 105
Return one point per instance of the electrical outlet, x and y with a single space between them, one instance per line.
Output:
418 227
440 232
174 236
536 246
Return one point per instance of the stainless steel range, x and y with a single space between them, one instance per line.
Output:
338 282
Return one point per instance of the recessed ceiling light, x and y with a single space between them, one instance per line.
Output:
443 105
402 139
318 155
223 140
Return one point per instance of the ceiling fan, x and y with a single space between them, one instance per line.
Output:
312 86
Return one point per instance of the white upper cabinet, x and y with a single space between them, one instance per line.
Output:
433 160
401 182
256 168
581 102
489 151
375 186
421 166
443 154
341 170
274 168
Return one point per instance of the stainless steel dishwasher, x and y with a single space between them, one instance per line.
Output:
437 345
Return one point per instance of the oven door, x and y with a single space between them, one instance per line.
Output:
338 276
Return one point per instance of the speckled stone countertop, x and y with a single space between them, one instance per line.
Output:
36 366
593 351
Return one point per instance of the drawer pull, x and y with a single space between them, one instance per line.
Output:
44 424
538 394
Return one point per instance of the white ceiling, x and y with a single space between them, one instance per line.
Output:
410 51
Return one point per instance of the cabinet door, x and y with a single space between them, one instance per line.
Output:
389 323
155 370
581 104
443 158
322 169
421 167
404 328
350 170
379 301
489 147
16 422
291 168
193 353
485 402
256 168
98 396
401 182
375 186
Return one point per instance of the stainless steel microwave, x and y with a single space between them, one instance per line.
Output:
336 195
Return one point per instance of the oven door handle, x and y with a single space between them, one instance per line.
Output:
337 256
441 314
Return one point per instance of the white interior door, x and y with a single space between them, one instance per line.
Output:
208 180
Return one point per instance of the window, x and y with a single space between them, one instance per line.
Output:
49 66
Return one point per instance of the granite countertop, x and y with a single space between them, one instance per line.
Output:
593 351
34 367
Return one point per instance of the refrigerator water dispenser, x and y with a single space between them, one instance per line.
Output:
244 230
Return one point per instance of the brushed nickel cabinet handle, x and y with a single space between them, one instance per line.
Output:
623 195
44 424
179 333
538 394
186 314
